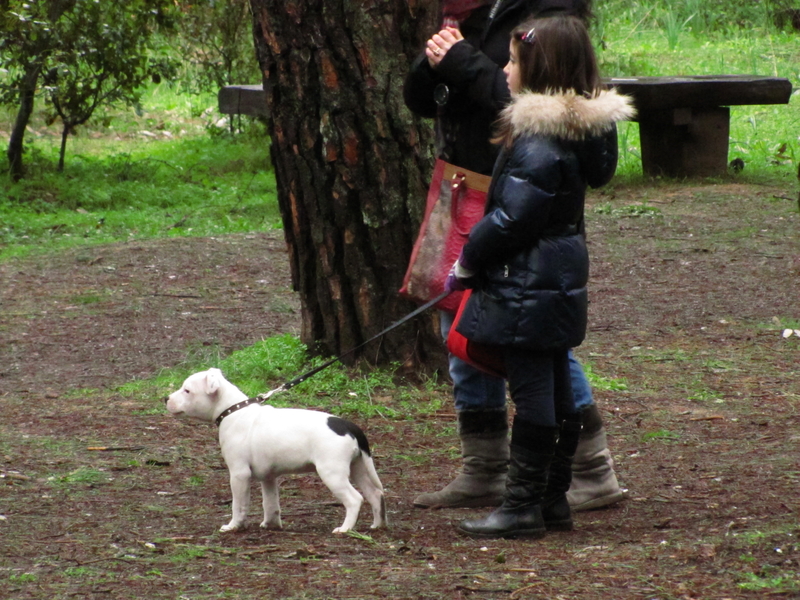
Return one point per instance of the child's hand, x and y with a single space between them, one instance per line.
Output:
440 43
459 278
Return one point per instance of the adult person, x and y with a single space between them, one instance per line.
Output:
528 262
458 80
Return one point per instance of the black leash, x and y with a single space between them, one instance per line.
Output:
290 384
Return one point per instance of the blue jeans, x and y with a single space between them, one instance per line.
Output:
475 389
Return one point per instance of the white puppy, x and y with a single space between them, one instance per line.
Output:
265 442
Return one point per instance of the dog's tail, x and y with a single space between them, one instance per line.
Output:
367 479
369 468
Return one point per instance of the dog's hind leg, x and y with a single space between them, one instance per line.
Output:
272 507
336 477
366 478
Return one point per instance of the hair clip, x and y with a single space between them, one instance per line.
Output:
530 36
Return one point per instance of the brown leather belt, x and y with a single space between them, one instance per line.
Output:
473 180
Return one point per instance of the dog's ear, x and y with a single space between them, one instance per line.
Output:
213 381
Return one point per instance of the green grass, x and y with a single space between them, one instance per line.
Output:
599 382
185 553
660 435
690 37
190 178
81 476
194 190
279 359
776 578
781 323
704 395
776 582
663 355
631 210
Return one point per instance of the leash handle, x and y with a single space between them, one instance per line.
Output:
297 380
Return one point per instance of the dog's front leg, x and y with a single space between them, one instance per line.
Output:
240 489
272 508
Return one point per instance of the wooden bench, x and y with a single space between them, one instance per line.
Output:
248 100
684 122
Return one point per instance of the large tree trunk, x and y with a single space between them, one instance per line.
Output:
352 165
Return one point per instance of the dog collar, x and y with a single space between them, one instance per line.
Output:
234 408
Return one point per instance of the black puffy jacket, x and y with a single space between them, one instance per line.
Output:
529 250
472 70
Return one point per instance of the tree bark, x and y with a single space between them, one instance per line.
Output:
352 165
26 103
63 150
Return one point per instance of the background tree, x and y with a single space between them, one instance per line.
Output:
103 59
87 54
352 163
25 48
218 44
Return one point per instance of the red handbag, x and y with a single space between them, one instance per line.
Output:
488 359
456 202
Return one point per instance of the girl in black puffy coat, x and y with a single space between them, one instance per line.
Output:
528 263
459 80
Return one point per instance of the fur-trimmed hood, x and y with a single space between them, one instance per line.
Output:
566 115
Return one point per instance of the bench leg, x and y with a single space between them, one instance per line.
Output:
685 142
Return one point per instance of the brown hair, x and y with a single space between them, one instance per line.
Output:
556 55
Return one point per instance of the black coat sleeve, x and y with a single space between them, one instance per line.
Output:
418 87
475 76
599 158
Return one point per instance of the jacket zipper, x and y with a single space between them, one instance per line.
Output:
492 14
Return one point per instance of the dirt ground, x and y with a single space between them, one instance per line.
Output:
694 293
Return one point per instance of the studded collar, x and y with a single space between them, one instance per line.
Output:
234 408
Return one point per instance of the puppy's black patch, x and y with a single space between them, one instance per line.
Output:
341 426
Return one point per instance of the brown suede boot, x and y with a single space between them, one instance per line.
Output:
594 483
484 449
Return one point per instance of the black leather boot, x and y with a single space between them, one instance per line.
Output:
555 507
520 514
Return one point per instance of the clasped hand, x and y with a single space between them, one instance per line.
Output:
440 43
